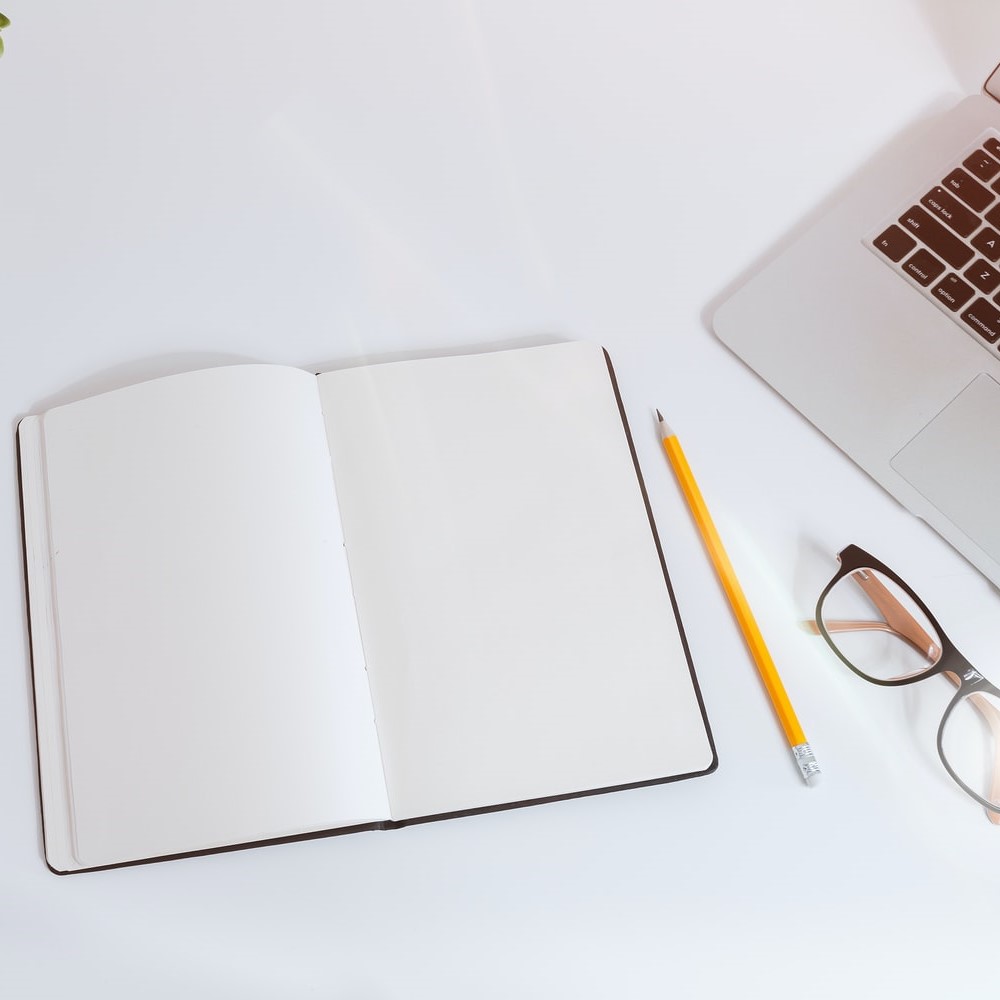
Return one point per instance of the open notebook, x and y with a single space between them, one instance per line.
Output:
266 604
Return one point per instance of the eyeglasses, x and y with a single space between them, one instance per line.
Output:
880 629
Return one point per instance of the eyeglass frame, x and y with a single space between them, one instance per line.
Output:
950 662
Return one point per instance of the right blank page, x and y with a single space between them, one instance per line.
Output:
518 629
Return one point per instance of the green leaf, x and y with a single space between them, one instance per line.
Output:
4 21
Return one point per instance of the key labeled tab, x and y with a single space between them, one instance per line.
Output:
968 189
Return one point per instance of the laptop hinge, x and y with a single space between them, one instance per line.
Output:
992 85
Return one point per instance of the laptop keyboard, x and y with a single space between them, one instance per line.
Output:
947 243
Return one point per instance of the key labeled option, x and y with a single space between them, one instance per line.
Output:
952 291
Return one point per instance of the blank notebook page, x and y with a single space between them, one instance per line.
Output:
518 629
211 669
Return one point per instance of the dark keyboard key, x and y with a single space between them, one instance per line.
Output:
942 241
992 146
968 189
993 216
984 276
987 242
923 267
984 319
950 211
982 165
894 243
953 292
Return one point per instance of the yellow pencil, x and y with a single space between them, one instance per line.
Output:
751 632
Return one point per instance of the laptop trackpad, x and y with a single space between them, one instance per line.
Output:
955 463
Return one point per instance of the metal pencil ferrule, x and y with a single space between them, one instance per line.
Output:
806 760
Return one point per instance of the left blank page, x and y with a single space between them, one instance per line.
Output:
205 648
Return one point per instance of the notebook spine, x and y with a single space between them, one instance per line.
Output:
55 787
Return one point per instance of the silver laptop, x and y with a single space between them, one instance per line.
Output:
881 324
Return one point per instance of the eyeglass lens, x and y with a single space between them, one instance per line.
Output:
878 628
970 740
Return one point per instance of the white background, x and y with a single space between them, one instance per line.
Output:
307 183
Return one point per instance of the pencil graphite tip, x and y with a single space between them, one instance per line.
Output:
665 430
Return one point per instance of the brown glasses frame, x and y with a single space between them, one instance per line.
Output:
947 660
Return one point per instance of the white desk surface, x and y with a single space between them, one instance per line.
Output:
306 183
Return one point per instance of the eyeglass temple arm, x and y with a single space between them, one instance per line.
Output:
898 618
